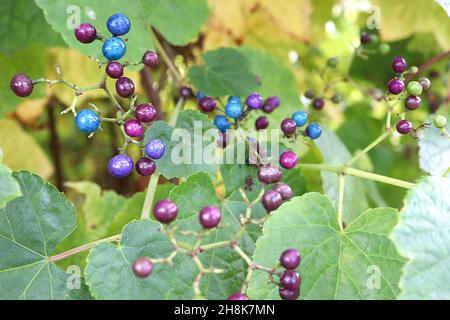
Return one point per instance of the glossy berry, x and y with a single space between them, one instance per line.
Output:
165 211
234 99
268 108
261 123
145 166
210 217
145 112
399 64
142 267
150 59
114 70
199 95
87 120
273 101
318 103
155 149
271 200
414 88
21 85
288 126
290 259
133 128
309 94
288 159
404 127
118 24
238 296
186 92
300 118
86 33
207 104
286 294
120 166
125 87
365 38
254 101
440 121
412 102
269 174
114 48
221 122
425 83
396 86
233 109
284 190
290 280
313 131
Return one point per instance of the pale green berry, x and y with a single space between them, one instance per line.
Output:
414 88
440 121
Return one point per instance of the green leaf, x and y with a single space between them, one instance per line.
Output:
423 236
334 152
187 153
226 71
30 228
358 263
9 187
434 151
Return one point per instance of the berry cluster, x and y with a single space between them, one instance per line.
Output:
290 126
368 42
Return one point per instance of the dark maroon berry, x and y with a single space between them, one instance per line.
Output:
21 85
142 267
210 217
165 211
238 296
261 123
433 74
150 59
268 108
125 87
133 128
290 259
271 200
365 38
85 33
396 86
207 104
286 294
114 70
412 102
186 92
290 280
145 166
309 94
288 126
318 103
288 159
399 64
404 127
145 112
425 83
269 174
284 190
273 101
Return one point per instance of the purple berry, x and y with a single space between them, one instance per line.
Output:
290 280
365 38
261 123
155 149
288 126
269 174
114 70
268 108
271 200
288 159
150 59
238 296
133 128
254 101
207 104
145 166
318 103
21 85
142 267
210 217
284 190
125 87
309 94
412 102
396 86
286 294
85 33
425 83
120 166
165 211
273 101
399 64
404 127
290 259
186 92
145 112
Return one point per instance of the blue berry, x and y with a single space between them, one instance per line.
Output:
221 123
114 48
199 95
300 118
120 166
87 120
313 131
234 99
155 149
118 24
233 109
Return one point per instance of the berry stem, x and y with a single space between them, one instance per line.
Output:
113 99
341 200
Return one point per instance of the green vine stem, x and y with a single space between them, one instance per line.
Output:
341 201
